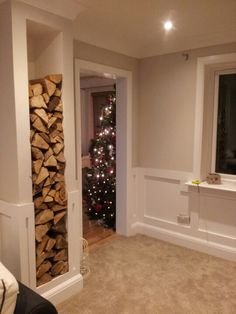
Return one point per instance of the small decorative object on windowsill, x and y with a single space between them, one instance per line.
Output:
213 178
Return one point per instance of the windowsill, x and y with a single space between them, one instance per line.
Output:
226 185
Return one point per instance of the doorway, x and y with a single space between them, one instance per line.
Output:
123 140
98 134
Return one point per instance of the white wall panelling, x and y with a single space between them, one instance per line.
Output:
17 240
162 195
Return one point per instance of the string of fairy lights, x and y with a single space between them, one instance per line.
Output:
101 178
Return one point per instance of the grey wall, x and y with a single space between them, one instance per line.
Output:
102 56
167 90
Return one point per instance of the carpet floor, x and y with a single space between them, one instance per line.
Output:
141 275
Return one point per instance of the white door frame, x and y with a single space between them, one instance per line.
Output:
123 139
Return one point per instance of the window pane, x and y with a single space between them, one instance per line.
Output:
226 125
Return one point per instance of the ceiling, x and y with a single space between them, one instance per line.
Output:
135 27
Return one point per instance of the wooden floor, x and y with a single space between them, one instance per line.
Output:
94 233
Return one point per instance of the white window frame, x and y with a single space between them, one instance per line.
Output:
215 118
202 64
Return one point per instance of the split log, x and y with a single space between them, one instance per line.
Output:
57 148
51 162
54 134
38 125
38 202
42 114
50 244
51 121
41 245
36 153
59 185
46 98
61 168
61 134
52 193
58 115
60 227
59 177
51 254
37 164
41 230
43 206
60 157
45 191
55 78
52 139
58 139
33 117
37 89
49 86
61 255
44 279
65 269
36 189
59 126
57 207
57 92
53 103
45 137
61 242
43 174
59 107
62 194
37 102
43 268
52 174
41 257
58 199
47 182
48 199
44 216
48 153
39 142
32 132
58 217
57 268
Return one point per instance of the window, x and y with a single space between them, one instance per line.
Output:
224 132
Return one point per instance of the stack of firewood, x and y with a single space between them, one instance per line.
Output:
48 166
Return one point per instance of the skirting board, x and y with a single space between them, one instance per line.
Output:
190 242
64 290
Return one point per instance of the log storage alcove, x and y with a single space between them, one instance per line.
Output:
48 167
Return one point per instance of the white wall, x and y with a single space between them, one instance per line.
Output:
51 58
9 185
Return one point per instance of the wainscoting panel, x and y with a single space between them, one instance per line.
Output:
218 215
163 199
162 195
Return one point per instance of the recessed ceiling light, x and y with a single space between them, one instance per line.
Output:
168 25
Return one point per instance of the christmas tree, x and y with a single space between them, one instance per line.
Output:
101 177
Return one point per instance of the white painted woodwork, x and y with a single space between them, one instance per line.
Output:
123 137
163 195
17 212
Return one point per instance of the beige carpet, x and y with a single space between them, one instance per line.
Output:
141 275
